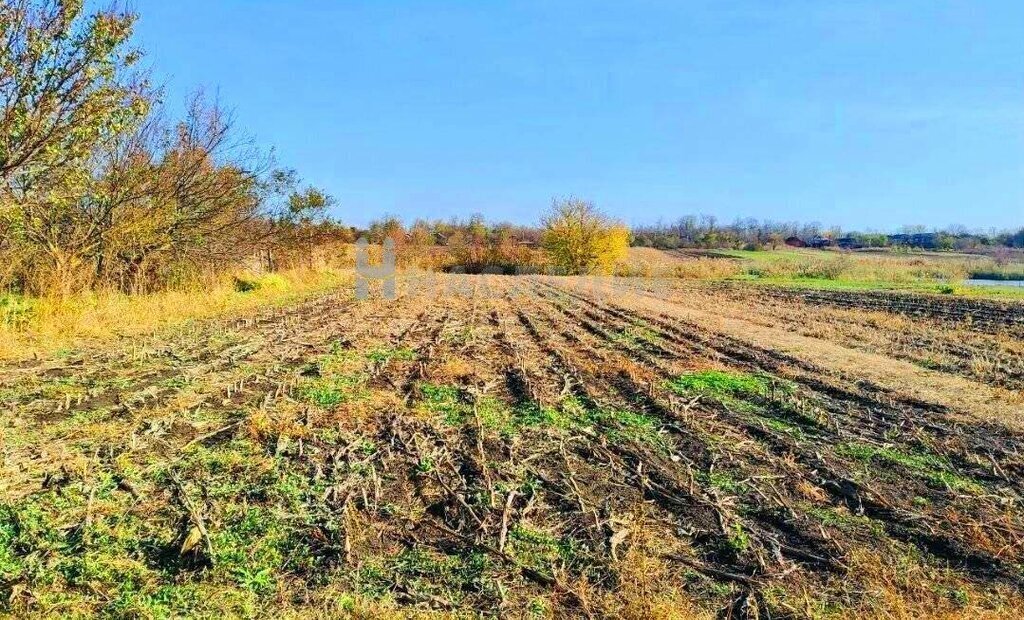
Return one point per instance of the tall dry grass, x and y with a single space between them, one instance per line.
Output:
865 268
890 268
37 326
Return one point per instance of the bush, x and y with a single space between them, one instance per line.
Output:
580 239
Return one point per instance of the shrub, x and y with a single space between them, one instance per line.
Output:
580 239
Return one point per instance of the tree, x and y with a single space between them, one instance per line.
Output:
1016 240
201 205
97 188
293 220
64 85
581 239
388 228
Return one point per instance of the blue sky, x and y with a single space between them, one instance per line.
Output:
861 114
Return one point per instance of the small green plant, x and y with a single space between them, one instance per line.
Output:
447 400
386 354
425 572
538 607
784 427
333 390
534 415
723 482
458 408
540 549
738 541
424 466
636 335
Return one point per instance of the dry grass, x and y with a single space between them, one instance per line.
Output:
39 326
892 268
827 269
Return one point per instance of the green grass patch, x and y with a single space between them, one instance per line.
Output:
763 256
722 481
636 336
384 355
428 573
719 384
86 548
843 520
929 466
616 424
855 285
541 550
738 540
457 407
783 427
334 390
533 415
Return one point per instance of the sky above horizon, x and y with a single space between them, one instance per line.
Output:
866 115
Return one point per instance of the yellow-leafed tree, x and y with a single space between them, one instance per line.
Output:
580 239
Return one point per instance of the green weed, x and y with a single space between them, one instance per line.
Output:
424 572
334 390
931 467
384 355
723 482
718 384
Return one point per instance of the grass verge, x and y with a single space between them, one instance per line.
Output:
31 327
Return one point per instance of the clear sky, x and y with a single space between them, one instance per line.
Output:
865 114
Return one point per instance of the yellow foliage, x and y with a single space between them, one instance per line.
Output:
579 239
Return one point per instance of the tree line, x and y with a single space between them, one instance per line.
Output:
101 188
574 237
706 231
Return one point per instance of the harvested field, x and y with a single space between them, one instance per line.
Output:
528 447
976 338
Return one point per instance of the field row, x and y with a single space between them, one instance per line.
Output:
541 450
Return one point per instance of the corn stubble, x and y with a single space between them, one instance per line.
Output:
536 451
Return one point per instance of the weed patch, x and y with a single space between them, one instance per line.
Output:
384 355
719 384
932 468
332 391
426 574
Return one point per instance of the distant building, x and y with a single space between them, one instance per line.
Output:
796 242
850 243
820 242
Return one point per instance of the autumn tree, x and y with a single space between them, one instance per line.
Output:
97 188
580 239
65 85
294 220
